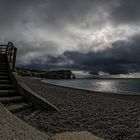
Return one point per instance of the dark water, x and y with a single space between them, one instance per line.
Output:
122 86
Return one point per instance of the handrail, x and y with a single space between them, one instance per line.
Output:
11 51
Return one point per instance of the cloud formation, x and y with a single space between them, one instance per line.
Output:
123 57
89 35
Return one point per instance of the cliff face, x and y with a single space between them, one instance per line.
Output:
58 74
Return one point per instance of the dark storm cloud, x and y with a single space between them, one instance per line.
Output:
51 10
33 54
32 22
126 12
71 11
76 34
123 57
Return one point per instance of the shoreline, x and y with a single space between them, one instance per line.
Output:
119 95
110 116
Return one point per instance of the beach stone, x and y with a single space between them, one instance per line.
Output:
110 116
85 135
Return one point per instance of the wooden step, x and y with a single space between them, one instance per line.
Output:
2 66
4 73
5 82
7 93
12 99
6 86
3 63
3 70
18 107
4 77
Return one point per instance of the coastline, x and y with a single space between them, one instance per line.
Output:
110 116
119 95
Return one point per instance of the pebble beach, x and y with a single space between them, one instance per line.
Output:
110 116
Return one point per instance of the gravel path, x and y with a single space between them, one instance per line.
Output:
110 117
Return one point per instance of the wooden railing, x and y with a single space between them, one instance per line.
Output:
10 51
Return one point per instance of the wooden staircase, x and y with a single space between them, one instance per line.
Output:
14 94
9 95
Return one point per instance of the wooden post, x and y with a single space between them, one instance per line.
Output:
14 59
0 48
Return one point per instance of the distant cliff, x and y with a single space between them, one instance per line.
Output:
57 74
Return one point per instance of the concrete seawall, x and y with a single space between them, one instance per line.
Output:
12 128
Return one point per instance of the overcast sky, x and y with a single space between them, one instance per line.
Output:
88 35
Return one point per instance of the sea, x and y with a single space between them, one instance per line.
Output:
118 86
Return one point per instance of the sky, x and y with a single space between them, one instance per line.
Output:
94 36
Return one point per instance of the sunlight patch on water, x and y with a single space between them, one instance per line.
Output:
104 85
